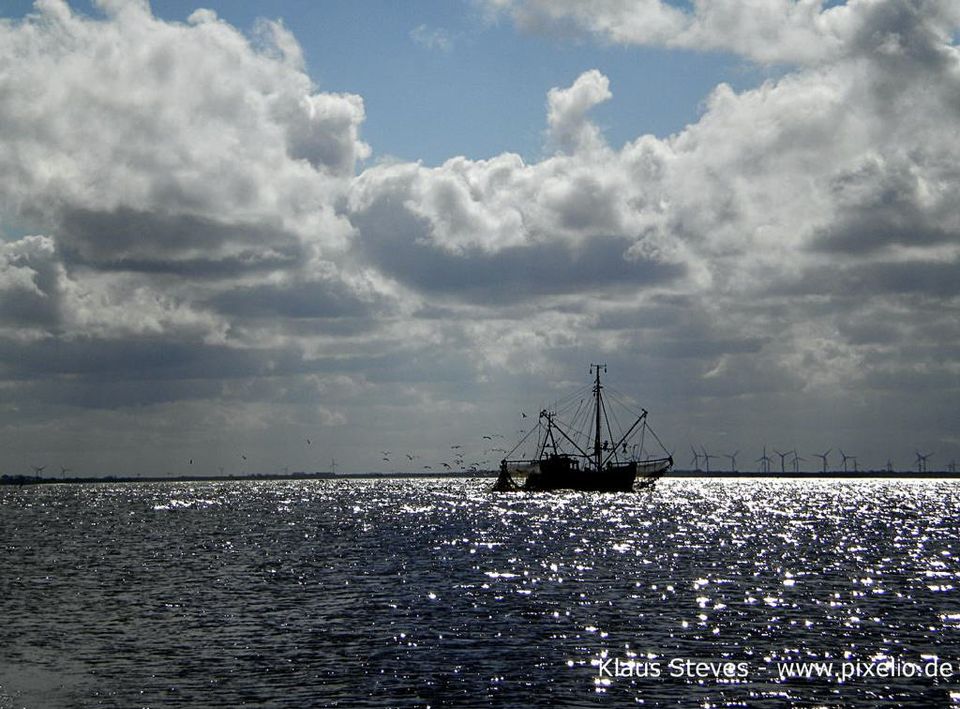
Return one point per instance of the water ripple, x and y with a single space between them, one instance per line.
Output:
408 593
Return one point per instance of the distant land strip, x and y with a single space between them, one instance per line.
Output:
33 480
830 475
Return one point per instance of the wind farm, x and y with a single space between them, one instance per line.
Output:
477 458
830 463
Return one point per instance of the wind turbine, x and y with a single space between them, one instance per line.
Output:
845 459
733 460
37 469
783 457
922 461
796 460
823 457
695 462
707 457
764 461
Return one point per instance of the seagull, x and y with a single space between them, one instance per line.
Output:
523 415
243 456
446 465
489 438
308 442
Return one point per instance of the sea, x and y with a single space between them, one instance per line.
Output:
438 592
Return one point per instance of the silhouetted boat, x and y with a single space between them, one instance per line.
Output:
571 458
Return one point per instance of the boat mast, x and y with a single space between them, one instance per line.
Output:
596 392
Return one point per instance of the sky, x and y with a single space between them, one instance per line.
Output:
253 237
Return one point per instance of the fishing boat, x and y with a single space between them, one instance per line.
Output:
585 451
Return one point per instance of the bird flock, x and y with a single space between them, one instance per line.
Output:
475 458
458 459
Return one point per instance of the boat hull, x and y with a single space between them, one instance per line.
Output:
561 473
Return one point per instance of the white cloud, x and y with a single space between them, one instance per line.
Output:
788 212
432 38
199 197
138 113
568 128
767 31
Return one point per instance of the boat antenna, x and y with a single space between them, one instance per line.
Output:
596 393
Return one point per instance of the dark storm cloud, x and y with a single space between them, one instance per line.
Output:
851 283
935 279
678 328
872 331
395 240
161 242
306 299
892 202
115 373
655 313
160 357
23 307
697 346
110 394
30 283
886 225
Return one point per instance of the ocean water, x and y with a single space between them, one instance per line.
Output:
439 593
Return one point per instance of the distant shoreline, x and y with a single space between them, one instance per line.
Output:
803 475
31 480
829 475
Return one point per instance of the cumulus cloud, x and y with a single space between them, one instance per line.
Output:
768 31
174 170
502 230
30 283
568 128
785 214
206 228
135 113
